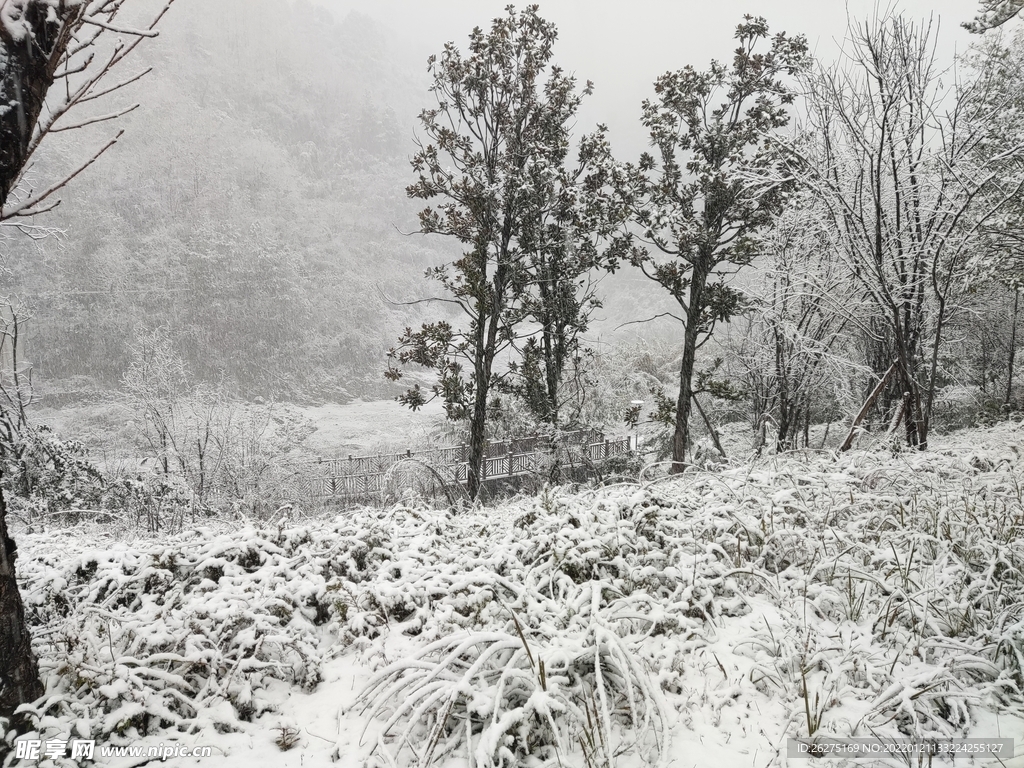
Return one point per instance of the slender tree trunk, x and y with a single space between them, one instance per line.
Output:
681 436
474 476
783 441
19 672
872 397
711 427
1013 348
478 420
486 346
691 334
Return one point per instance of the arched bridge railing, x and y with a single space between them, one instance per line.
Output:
435 471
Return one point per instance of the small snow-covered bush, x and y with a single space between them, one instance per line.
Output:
166 635
45 477
148 502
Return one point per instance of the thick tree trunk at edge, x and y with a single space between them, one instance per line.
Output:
25 77
19 672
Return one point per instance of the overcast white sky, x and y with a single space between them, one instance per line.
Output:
623 46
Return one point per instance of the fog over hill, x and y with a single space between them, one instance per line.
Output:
255 206
252 209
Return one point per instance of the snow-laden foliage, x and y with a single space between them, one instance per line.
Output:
14 15
870 595
181 634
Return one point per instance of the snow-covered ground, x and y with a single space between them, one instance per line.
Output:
362 427
333 429
694 621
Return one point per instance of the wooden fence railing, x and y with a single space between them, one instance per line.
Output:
437 471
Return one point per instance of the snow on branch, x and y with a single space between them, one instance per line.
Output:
29 207
994 13
120 30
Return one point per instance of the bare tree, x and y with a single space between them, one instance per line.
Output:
906 163
66 44
801 308
43 43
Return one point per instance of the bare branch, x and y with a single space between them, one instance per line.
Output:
25 208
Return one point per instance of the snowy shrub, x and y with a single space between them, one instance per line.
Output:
184 635
508 698
150 502
46 477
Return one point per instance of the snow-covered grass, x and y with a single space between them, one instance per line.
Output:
698 620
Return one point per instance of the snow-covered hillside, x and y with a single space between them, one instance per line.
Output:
696 621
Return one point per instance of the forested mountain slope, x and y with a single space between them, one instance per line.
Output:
252 208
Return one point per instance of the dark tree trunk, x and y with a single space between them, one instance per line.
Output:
1013 348
474 473
27 66
487 326
19 673
25 75
478 419
786 406
695 309
681 436
883 382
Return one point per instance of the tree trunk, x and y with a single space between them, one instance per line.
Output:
872 397
711 427
27 65
26 73
691 334
486 346
19 673
1013 348
477 427
681 436
807 425
783 441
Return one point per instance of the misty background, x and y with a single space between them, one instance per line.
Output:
255 207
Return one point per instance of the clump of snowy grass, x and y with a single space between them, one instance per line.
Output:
505 699
876 595
181 635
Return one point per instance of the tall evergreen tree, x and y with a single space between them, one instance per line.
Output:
698 202
495 153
